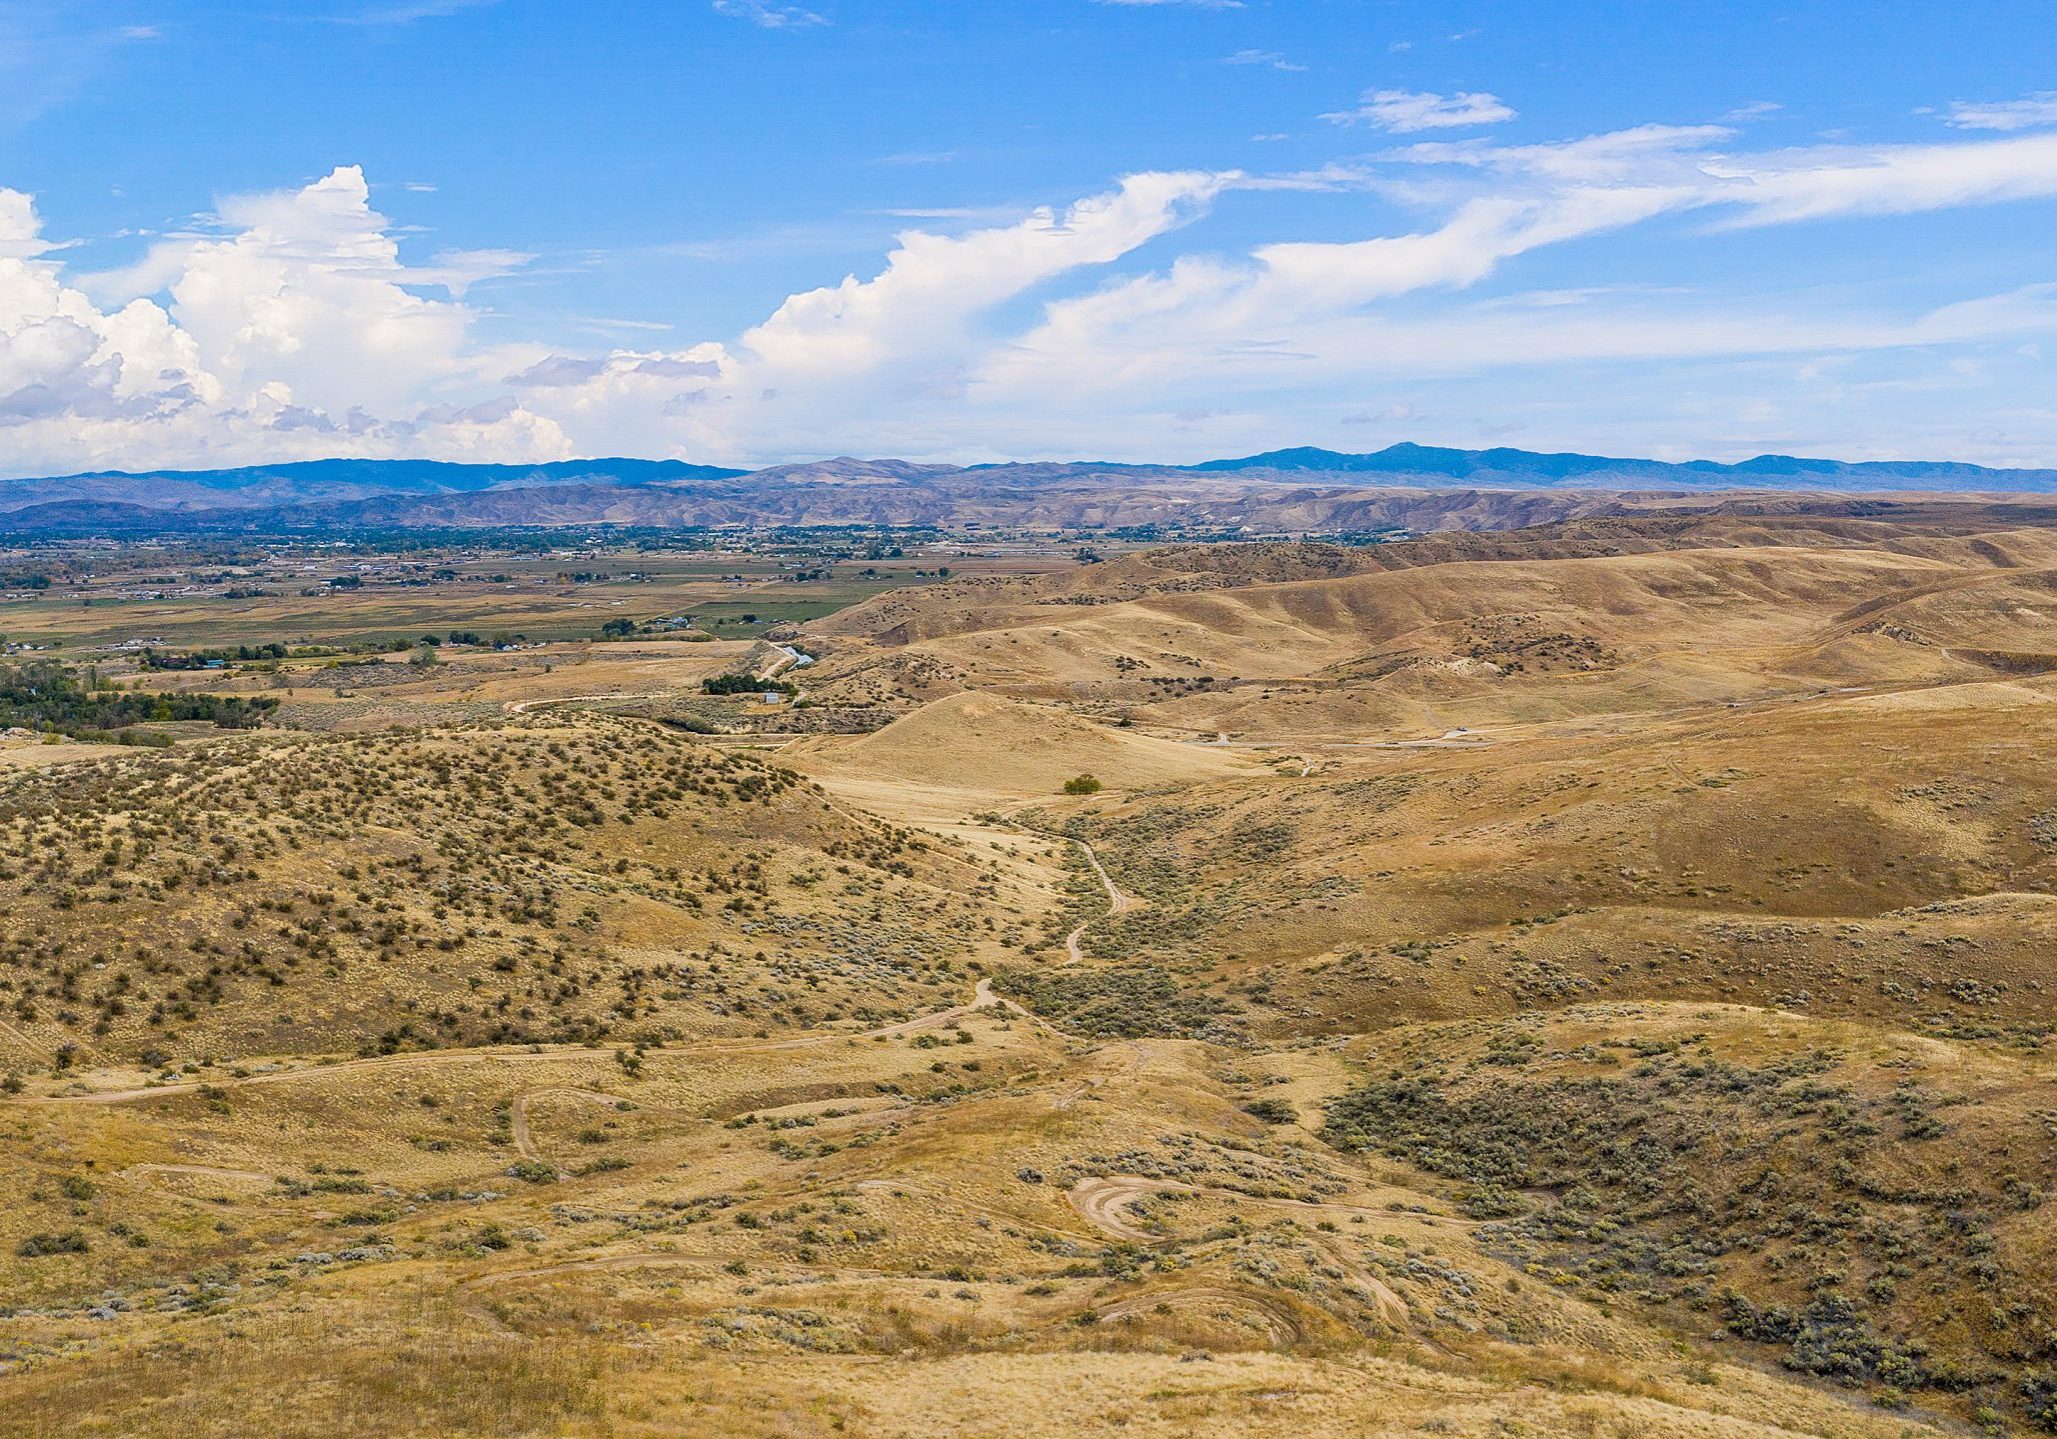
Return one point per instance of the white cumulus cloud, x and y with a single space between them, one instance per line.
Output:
294 330
290 324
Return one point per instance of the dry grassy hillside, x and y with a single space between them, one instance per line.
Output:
1583 982
988 745
1885 856
1871 1206
1406 640
908 1233
548 879
1801 769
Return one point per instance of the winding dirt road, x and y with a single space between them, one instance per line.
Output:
1103 1202
1117 902
1448 739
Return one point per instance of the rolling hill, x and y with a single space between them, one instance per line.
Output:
1588 980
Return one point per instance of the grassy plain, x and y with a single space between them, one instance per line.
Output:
210 595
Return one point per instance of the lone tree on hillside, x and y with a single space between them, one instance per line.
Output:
1082 784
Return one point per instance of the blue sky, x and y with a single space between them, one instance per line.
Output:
748 231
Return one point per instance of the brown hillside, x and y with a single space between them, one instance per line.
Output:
999 746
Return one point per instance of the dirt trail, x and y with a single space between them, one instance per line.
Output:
16 1035
982 997
199 1171
712 1266
1276 1319
1077 1092
246 1201
957 1201
522 707
524 1141
1390 1306
1117 902
42 1050
1103 1202
1103 1197
1449 739
673 1259
638 1260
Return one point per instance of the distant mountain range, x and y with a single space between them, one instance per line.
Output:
1414 486
1430 464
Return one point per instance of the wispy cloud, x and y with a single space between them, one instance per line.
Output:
838 236
1183 4
768 16
1407 111
1293 317
1754 110
2028 113
50 52
1270 59
610 325
407 12
968 214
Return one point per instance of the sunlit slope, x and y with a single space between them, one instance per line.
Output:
1886 855
1598 985
544 879
1293 642
993 745
1866 1206
975 1226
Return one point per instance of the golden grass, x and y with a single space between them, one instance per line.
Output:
788 1177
